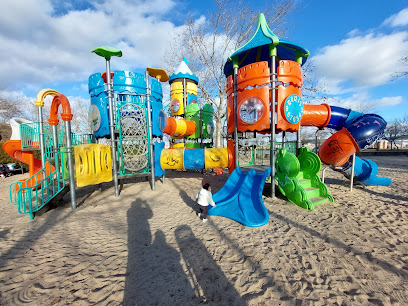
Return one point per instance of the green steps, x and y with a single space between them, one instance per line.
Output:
298 181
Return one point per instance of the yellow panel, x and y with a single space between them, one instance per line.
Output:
176 93
93 164
216 158
172 159
191 88
179 145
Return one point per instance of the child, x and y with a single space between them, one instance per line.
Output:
204 198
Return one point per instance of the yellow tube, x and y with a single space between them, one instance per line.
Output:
181 127
39 101
172 159
216 158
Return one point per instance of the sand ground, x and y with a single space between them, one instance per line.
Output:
149 248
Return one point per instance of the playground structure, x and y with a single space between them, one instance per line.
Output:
264 96
46 182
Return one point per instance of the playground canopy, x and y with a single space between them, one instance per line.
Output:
261 47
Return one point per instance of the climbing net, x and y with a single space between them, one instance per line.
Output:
134 137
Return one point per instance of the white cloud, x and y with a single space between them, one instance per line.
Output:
361 101
399 19
361 61
39 45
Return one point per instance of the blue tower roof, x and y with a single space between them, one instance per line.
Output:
183 72
258 48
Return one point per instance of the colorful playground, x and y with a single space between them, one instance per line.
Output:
113 212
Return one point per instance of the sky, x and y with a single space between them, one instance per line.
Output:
355 46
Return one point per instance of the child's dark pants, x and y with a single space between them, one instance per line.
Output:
203 211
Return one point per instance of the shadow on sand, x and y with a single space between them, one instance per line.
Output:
154 274
210 283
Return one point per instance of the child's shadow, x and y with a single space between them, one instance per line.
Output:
188 200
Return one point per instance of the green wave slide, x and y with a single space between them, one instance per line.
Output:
297 178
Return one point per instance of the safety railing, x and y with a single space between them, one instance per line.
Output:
39 189
30 137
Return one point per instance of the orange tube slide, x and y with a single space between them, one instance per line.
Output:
13 149
315 115
179 127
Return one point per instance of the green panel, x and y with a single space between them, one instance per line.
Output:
297 178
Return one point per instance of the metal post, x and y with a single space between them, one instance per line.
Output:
283 139
236 116
149 122
316 143
42 139
70 163
55 145
298 141
352 173
272 148
112 127
201 124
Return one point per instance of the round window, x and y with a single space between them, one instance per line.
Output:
175 105
162 120
210 127
251 110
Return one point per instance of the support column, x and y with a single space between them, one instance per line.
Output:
112 127
236 115
149 122
273 137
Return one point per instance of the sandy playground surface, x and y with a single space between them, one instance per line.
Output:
149 248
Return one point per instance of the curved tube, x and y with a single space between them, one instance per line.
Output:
179 127
39 101
66 114
356 131
316 115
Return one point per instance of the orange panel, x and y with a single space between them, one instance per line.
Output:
230 104
250 76
315 115
282 124
231 155
289 72
263 122
337 149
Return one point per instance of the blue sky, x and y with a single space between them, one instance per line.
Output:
355 45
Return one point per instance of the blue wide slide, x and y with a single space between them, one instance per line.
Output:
240 199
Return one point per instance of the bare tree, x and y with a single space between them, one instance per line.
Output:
9 107
207 43
397 129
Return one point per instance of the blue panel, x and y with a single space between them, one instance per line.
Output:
157 93
367 129
100 100
191 98
156 107
194 159
158 147
353 116
365 170
129 81
338 117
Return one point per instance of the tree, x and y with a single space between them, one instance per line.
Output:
207 43
397 129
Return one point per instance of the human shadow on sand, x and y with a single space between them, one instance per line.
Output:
210 283
154 274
